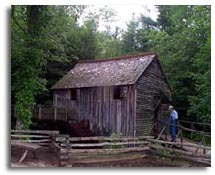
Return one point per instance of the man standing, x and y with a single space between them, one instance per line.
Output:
173 123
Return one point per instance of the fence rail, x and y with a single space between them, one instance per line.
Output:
98 149
31 140
74 150
46 112
185 141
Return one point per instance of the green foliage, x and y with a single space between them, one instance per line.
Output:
116 136
108 46
200 102
47 41
27 60
129 38
181 37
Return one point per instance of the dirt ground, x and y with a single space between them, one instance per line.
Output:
47 157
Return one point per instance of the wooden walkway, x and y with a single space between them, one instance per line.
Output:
182 142
186 145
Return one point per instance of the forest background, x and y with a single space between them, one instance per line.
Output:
46 41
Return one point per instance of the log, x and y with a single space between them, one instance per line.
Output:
106 138
104 144
56 145
154 147
196 131
200 160
23 156
161 133
36 132
107 151
183 121
180 144
187 129
22 145
29 136
64 157
32 141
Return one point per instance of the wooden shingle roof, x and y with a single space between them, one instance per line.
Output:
108 72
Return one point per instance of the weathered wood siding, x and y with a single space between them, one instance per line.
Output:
150 87
105 114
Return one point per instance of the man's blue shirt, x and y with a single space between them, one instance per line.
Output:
173 117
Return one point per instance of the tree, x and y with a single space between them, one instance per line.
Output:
187 30
129 38
27 59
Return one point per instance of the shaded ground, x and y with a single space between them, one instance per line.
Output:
47 157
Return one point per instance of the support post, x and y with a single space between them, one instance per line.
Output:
55 113
204 150
66 115
182 139
14 111
40 111
191 131
64 152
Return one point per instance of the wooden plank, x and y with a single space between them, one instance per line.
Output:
22 145
33 141
106 144
179 152
101 138
198 123
119 117
109 151
29 136
180 144
23 156
36 132
114 114
161 132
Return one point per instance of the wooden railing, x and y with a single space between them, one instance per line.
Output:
75 150
182 135
31 140
99 149
47 112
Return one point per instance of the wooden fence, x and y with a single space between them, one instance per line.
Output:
45 112
184 135
31 140
83 150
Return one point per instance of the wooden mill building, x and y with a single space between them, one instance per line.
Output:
121 95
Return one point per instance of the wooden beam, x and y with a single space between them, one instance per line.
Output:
32 141
29 136
23 156
159 136
35 132
101 138
106 144
109 151
184 121
179 144
182 152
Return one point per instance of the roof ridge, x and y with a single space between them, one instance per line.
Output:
118 58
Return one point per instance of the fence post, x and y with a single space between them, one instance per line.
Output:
64 152
66 114
181 138
14 111
40 111
55 100
191 131
204 150
55 113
